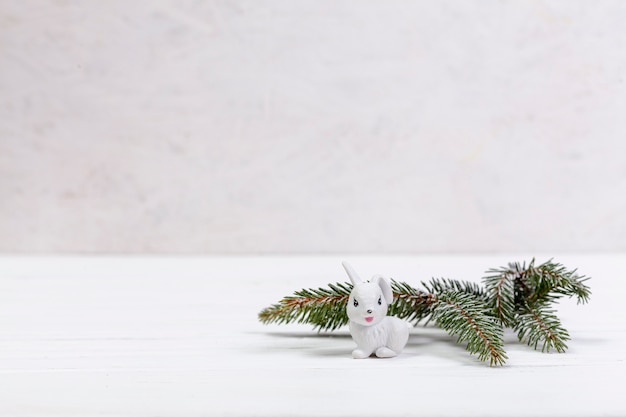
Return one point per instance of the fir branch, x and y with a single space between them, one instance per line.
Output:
324 308
551 280
409 303
521 295
500 287
467 317
439 285
538 324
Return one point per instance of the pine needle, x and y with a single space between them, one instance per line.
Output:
324 308
538 325
409 303
467 317
501 294
439 285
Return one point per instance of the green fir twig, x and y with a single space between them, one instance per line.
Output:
324 308
538 325
520 296
467 317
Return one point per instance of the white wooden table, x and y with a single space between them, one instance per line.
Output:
178 336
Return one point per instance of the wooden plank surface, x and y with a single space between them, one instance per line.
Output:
178 336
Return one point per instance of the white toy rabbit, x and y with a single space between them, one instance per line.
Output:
373 331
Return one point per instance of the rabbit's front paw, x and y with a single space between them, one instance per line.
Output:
385 352
360 354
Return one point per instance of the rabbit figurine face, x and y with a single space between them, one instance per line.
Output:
367 304
374 332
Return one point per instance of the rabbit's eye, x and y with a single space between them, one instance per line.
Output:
356 303
380 301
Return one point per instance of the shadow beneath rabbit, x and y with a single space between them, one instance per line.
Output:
311 343
329 335
424 342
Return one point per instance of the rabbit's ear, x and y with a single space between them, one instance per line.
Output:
354 278
385 287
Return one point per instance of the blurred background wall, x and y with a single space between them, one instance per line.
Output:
282 126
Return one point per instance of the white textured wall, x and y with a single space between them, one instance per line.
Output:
312 126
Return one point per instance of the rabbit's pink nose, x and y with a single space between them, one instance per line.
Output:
369 311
